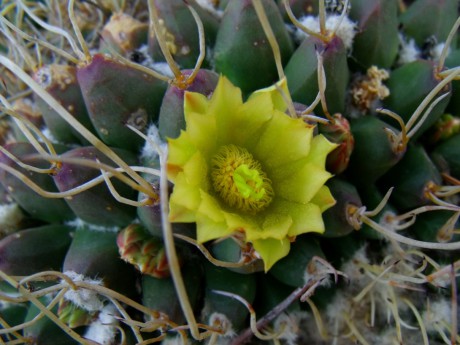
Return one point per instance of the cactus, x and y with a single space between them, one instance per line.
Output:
229 172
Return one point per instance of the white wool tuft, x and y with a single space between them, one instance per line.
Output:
79 223
408 52
83 298
437 312
209 6
437 50
346 29
289 323
48 135
163 68
150 149
103 330
10 217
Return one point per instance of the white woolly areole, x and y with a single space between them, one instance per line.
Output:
346 28
310 22
209 6
48 135
437 50
351 267
437 312
10 216
150 149
289 323
83 298
163 68
103 330
43 76
79 223
147 61
221 321
340 305
409 51
319 274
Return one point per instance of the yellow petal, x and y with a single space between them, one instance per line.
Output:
324 199
302 185
250 119
272 250
195 102
223 106
207 229
275 225
201 129
210 207
184 201
181 150
305 217
241 222
196 171
278 93
283 140
320 148
210 220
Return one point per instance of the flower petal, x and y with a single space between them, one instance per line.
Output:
301 185
272 250
195 102
275 225
241 222
324 198
201 129
183 201
196 171
181 150
208 229
278 94
283 140
223 106
320 148
210 219
305 217
250 119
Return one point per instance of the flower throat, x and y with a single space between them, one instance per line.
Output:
239 180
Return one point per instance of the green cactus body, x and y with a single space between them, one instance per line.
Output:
446 156
409 84
180 31
374 153
116 95
61 82
377 40
45 331
171 119
240 33
96 205
50 210
94 254
229 172
34 250
302 72
429 18
412 178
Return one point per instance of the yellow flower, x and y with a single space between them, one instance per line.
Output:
248 167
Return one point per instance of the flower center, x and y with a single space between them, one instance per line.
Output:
239 179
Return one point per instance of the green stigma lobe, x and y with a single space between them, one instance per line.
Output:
248 182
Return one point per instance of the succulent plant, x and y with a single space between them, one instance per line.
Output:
229 172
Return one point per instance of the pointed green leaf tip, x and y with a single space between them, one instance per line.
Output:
248 167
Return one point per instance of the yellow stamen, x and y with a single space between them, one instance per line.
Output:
239 180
